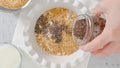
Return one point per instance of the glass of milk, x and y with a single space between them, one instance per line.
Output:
10 56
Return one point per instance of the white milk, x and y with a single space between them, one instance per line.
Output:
9 56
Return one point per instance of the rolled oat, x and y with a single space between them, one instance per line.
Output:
12 4
53 31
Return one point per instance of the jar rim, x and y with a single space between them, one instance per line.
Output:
88 31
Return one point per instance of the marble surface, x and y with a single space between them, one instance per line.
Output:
8 23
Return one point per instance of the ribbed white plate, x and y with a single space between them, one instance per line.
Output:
25 38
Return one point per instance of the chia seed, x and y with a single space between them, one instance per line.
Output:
41 25
56 32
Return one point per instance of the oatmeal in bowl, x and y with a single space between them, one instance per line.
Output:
46 33
53 31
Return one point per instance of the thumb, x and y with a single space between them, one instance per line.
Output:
98 43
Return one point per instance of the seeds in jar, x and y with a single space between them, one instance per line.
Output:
53 31
12 4
79 29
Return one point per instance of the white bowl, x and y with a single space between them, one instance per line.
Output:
24 34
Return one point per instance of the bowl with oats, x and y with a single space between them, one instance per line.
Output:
45 30
13 5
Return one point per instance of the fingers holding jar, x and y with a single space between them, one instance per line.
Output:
108 42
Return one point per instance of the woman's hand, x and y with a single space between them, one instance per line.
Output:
108 42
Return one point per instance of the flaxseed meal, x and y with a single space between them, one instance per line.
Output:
53 31
12 4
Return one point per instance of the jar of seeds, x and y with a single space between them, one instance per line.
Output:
86 27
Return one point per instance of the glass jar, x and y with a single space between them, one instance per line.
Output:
86 27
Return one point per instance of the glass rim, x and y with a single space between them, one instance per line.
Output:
12 10
20 52
89 29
